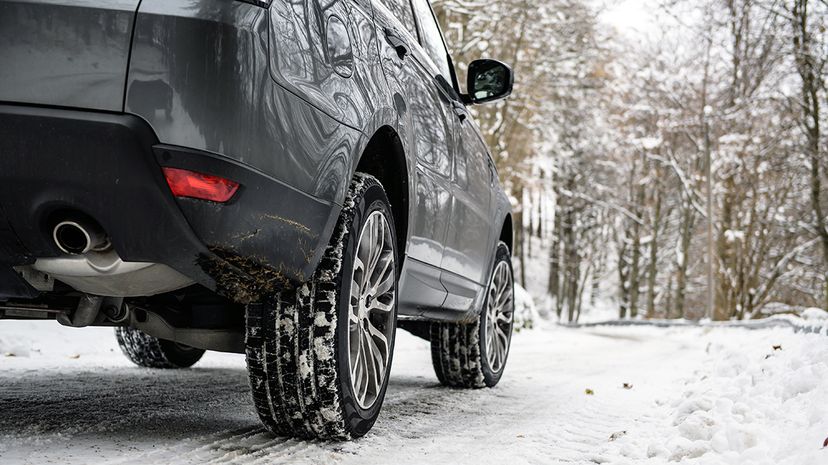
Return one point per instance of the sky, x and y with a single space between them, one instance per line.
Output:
633 18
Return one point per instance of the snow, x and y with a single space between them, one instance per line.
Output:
526 314
696 395
814 314
734 235
756 400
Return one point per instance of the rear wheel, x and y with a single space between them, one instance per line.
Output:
319 356
151 352
473 355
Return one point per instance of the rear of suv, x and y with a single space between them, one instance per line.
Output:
292 180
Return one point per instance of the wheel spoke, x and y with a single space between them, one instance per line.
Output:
356 376
501 290
501 334
501 351
383 281
385 286
376 333
363 259
503 318
375 245
358 275
379 245
382 306
377 361
366 368
505 298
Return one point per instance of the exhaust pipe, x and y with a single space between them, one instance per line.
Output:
77 237
87 312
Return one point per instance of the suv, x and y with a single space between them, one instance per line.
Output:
291 180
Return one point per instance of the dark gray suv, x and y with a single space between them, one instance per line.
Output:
289 179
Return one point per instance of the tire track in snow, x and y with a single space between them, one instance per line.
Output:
538 414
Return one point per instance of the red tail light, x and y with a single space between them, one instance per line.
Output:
186 183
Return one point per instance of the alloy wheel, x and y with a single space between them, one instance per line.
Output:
371 304
499 315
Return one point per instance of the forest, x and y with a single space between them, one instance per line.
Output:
680 173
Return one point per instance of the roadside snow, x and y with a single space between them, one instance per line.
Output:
814 314
526 314
754 399
695 395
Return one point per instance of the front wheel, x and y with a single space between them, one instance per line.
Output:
319 356
473 355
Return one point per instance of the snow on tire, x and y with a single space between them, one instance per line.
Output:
298 342
151 352
473 355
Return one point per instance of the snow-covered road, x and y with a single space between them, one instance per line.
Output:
695 395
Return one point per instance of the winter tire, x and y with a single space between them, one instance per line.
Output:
473 355
319 356
151 352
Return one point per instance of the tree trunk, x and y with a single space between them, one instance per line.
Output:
553 283
596 277
653 265
571 265
623 279
519 240
686 230
634 270
635 266
725 305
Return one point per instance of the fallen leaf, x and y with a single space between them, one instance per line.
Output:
617 435
74 356
825 444
627 386
777 347
589 391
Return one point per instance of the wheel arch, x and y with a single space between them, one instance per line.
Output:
384 158
507 232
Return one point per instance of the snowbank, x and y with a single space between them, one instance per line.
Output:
753 401
814 314
526 313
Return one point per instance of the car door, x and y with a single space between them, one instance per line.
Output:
430 112
468 246
416 68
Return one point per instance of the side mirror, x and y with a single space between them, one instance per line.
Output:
489 80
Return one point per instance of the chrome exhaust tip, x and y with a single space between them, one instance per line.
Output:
78 237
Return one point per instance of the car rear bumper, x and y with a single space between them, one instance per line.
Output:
108 167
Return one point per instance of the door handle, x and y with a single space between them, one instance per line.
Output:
393 38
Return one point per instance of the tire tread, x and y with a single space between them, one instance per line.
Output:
150 352
294 332
456 348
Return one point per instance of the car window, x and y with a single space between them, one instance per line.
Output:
402 11
432 39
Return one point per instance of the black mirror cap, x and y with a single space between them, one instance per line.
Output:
488 81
